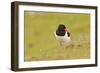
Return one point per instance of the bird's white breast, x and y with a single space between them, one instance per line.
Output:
64 39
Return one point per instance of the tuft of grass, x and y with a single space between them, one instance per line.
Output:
41 44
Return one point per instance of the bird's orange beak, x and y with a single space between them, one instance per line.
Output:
65 29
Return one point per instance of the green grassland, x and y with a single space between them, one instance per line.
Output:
41 44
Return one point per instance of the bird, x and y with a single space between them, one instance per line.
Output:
62 35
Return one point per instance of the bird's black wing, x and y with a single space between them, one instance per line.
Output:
68 33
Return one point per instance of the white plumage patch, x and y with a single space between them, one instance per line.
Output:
63 40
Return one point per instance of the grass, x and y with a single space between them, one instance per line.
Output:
41 44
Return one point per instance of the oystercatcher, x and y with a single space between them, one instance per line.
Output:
62 35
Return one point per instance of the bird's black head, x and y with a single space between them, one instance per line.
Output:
61 30
61 27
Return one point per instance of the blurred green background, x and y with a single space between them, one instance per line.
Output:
41 44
